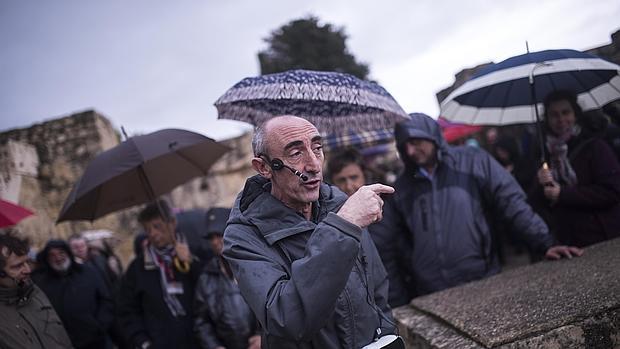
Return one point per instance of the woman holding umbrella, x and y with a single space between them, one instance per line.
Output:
580 189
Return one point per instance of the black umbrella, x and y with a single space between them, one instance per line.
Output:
139 170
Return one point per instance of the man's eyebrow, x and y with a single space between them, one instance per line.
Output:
300 143
293 144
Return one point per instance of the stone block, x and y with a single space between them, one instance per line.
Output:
567 303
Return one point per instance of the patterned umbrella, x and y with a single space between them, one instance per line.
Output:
362 139
336 103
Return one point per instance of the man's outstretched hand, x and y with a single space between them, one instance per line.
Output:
365 206
560 251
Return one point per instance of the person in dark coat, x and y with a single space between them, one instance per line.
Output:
222 317
443 202
579 191
78 294
299 249
28 320
155 300
346 170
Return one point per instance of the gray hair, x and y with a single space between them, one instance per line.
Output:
259 145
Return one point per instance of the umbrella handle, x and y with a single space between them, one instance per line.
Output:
181 266
546 167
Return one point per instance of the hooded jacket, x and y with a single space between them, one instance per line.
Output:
315 283
29 321
80 297
448 219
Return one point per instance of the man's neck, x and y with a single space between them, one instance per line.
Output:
303 208
430 169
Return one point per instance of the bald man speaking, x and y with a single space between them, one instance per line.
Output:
299 248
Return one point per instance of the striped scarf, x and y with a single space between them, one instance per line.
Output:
561 168
163 259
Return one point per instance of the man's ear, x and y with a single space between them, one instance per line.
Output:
261 166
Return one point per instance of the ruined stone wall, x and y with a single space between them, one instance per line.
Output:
40 164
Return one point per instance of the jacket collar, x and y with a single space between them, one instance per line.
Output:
275 220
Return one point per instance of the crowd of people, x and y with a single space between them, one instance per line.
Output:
300 263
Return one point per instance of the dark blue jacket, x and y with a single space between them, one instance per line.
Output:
81 298
143 313
447 219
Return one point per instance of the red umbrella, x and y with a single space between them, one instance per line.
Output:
453 131
11 214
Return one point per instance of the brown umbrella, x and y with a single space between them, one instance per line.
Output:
139 170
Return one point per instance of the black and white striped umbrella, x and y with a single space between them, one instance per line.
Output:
503 94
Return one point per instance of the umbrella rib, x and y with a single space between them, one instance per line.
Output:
94 214
607 82
586 90
505 102
485 96
190 162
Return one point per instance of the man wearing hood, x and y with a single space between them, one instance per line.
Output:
28 319
444 202
299 248
78 294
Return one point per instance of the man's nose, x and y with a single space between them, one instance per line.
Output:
313 163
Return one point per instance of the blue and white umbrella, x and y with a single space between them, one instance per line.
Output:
506 92
336 103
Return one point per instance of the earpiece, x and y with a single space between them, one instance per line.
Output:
277 164
3 274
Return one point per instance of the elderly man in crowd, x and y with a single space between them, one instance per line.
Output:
299 248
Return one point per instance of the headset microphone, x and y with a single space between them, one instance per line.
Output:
277 164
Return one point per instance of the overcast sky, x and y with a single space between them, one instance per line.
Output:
151 64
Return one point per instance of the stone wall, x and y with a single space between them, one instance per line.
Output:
40 164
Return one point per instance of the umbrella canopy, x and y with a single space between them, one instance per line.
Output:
506 92
358 140
11 214
138 170
336 103
453 131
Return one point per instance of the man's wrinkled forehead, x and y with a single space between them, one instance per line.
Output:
288 132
